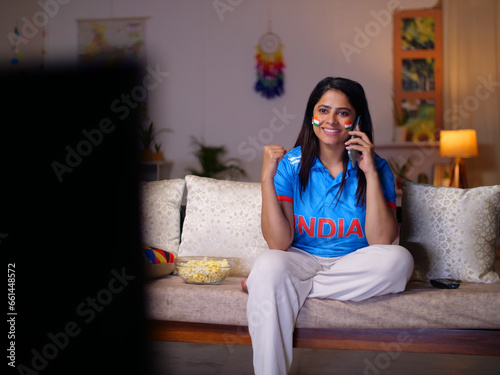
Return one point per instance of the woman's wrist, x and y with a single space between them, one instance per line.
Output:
266 179
372 174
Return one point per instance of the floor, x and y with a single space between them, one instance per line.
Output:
201 359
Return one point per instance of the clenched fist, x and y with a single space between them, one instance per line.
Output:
272 156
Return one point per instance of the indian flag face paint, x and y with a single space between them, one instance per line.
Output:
315 121
348 125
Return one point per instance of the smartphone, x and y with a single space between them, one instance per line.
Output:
353 154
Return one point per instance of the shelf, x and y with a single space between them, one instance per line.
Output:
407 145
162 168
153 162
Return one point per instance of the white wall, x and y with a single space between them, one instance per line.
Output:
210 60
12 13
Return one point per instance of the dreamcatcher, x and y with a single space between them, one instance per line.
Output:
270 64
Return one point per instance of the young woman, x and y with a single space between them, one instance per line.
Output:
329 225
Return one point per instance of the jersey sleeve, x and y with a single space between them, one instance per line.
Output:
387 182
283 181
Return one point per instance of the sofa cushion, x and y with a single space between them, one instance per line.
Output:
421 306
223 219
160 213
451 232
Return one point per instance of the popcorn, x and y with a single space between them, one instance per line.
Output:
204 271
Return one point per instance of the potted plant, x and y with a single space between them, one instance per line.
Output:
211 165
158 155
400 170
146 137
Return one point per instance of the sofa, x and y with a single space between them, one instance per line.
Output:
451 233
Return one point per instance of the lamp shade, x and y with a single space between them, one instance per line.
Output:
462 143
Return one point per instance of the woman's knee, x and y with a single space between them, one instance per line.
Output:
269 260
269 266
398 261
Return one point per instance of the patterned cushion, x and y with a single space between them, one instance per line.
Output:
223 219
161 221
157 262
451 232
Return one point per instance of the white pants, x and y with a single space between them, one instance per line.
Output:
280 282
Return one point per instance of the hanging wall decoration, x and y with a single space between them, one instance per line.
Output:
270 77
270 66
27 55
14 44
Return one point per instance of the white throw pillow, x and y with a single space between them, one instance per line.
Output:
223 219
451 232
160 214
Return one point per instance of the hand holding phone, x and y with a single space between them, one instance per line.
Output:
353 154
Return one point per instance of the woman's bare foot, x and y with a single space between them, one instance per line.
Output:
244 285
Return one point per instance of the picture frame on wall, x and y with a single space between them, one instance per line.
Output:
114 43
111 42
418 72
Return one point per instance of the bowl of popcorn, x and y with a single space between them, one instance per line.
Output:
203 270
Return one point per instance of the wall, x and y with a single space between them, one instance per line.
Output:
207 48
471 81
29 47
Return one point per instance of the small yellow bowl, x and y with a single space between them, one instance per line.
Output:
203 270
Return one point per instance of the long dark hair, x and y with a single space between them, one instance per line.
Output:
308 140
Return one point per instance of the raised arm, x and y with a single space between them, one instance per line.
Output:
381 225
276 217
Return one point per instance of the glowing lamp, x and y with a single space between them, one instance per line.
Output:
458 144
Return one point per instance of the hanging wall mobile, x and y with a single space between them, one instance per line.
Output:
270 77
17 39
14 41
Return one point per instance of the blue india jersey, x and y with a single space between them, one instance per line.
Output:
325 225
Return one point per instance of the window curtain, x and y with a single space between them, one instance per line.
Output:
471 81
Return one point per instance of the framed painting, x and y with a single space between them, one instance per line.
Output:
111 41
418 72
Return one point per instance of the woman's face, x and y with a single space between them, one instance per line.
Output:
333 110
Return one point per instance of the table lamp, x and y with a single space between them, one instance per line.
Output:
459 144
